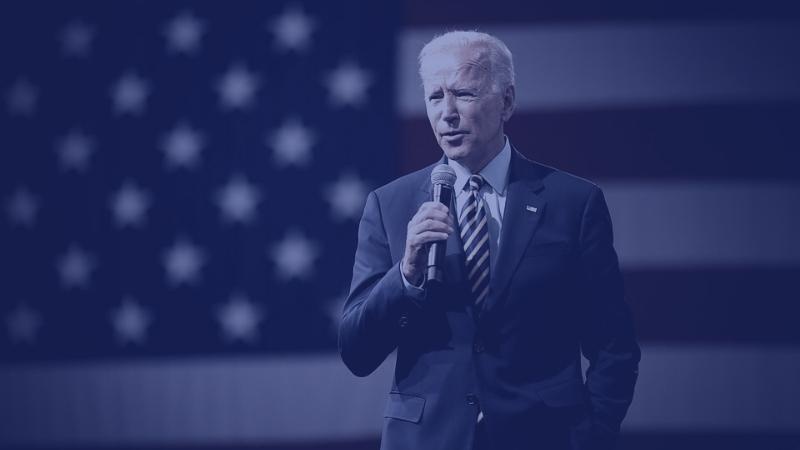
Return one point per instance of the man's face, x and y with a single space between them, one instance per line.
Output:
465 113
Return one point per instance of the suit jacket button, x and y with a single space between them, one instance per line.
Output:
402 321
472 399
478 347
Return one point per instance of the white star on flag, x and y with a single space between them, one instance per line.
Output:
23 323
292 29
182 146
129 205
22 98
183 262
291 144
237 88
76 39
239 319
130 322
294 256
347 85
129 94
22 208
75 267
346 197
238 200
74 151
183 33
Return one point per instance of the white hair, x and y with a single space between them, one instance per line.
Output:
490 49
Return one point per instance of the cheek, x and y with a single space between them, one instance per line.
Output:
488 121
432 115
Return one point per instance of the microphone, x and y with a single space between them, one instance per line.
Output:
443 178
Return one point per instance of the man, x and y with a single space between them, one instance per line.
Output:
491 358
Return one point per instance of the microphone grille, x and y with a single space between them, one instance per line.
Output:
443 174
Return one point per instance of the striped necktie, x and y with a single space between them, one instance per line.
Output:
475 236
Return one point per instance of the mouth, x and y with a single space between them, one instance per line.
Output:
452 134
453 138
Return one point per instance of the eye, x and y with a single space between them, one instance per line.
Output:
465 94
435 96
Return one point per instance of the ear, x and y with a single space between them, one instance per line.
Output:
509 98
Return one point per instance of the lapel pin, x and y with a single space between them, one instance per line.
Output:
531 208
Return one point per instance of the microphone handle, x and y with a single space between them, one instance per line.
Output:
442 193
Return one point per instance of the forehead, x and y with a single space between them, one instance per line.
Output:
450 68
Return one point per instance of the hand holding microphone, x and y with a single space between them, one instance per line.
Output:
428 230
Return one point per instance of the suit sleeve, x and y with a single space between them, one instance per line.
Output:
378 306
607 338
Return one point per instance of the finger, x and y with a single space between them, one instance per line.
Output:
419 216
429 236
413 237
434 206
436 214
432 225
431 210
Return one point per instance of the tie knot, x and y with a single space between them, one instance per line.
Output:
476 182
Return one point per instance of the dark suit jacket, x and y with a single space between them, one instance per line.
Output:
556 291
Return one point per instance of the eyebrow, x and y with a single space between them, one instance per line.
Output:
461 88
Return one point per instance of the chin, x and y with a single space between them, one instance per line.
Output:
456 153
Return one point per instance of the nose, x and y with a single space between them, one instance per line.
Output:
450 112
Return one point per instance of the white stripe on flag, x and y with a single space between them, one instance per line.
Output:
160 402
314 398
632 64
689 224
733 389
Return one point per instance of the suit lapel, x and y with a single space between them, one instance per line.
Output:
523 211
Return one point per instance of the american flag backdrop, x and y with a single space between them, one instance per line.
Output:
181 183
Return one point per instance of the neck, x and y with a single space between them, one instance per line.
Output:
478 165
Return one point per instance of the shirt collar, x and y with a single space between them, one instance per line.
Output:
495 173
